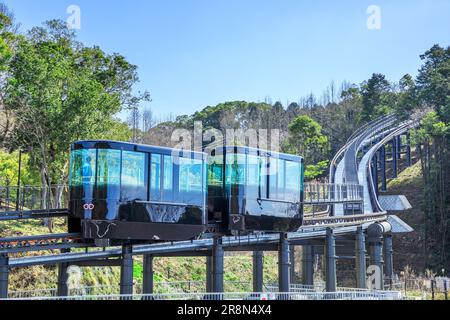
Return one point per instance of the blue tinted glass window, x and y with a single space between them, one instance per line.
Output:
235 169
82 172
191 179
108 174
168 179
293 180
155 179
215 171
133 178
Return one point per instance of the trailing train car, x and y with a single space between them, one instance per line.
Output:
122 191
254 190
130 192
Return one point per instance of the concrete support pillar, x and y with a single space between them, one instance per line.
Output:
308 265
383 168
258 267
283 264
388 257
399 147
217 266
126 270
209 287
4 276
147 287
360 253
394 158
330 261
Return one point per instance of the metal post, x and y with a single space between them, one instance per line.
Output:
4 276
18 181
217 265
360 253
209 287
63 277
383 168
388 257
394 158
376 258
408 149
308 265
148 275
283 264
292 275
126 271
330 261
258 264
399 147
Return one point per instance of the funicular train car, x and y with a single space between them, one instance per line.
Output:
122 191
137 193
254 190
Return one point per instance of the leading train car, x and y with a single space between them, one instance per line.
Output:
129 192
252 190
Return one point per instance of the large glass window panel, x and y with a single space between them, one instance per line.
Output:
108 174
191 180
168 179
235 169
253 176
133 179
277 179
293 180
82 172
264 172
215 171
155 177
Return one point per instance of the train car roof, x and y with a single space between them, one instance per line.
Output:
260 152
127 146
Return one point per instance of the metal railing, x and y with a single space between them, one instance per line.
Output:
321 193
29 198
348 295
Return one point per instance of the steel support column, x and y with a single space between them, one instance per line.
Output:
148 274
383 168
360 252
376 258
4 276
217 265
399 147
258 264
209 287
388 257
394 158
292 261
308 265
63 276
126 271
283 264
330 261
408 149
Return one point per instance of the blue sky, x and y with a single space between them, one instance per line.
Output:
194 53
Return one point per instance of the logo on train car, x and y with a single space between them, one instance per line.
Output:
88 206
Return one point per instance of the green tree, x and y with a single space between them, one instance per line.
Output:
60 91
306 139
376 94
